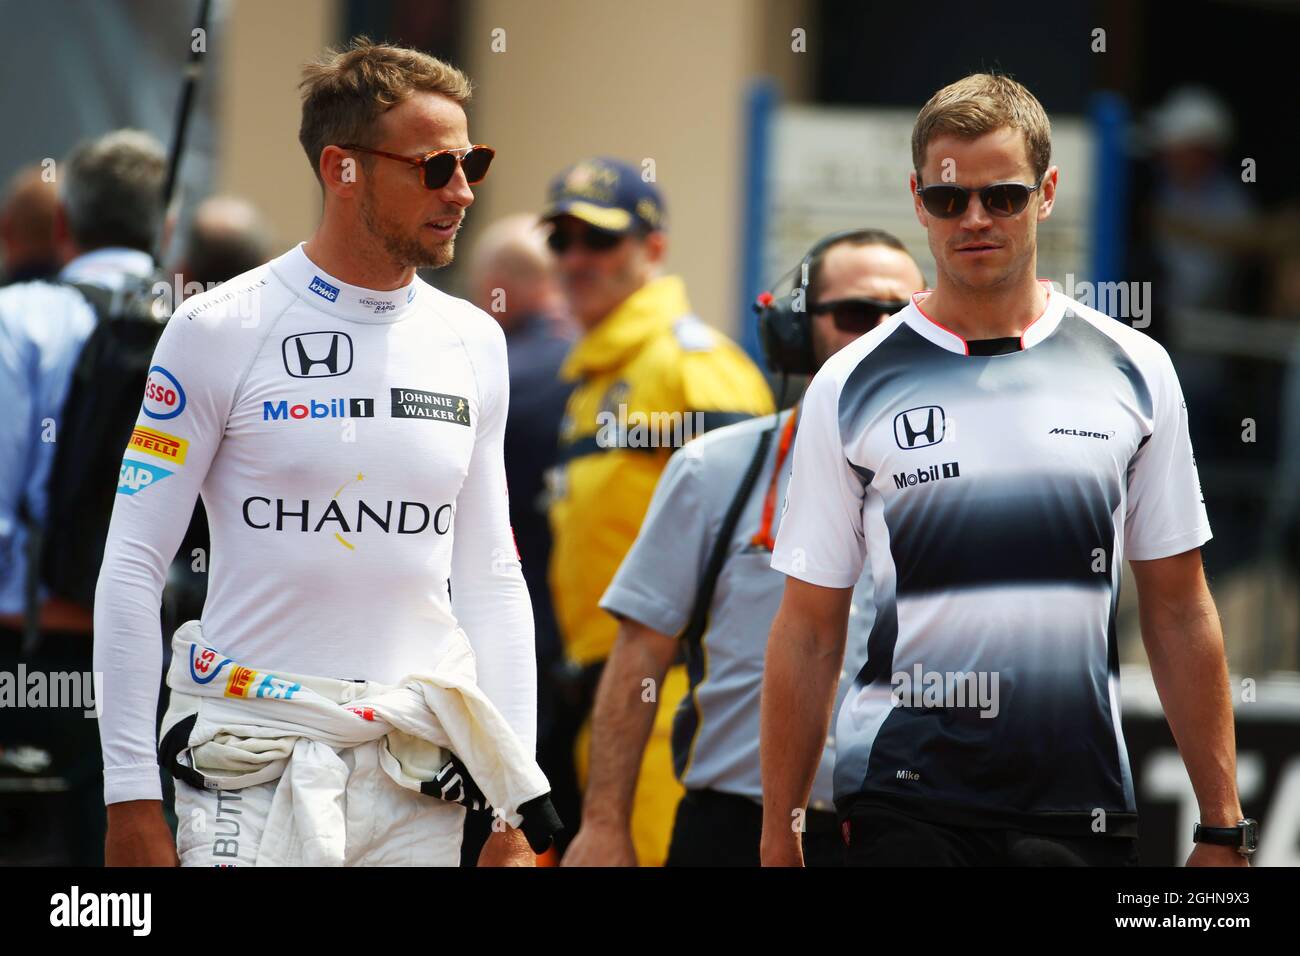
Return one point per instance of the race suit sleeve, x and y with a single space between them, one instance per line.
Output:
195 371
488 593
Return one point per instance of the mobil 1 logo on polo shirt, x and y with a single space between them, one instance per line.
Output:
435 406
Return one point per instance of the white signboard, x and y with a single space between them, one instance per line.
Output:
833 169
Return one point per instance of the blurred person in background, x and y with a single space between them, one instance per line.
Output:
512 278
108 219
1197 198
642 352
854 281
344 421
1191 132
985 727
29 249
227 237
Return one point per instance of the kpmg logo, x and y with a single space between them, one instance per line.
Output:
317 354
919 427
324 289
923 476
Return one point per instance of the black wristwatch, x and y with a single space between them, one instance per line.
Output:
1244 837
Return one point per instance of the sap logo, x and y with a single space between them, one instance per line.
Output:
919 427
333 408
138 475
324 289
163 396
1081 433
923 476
411 295
317 354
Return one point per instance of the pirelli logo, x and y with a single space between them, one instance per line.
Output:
159 444
239 681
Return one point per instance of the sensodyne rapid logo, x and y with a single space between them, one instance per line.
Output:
377 306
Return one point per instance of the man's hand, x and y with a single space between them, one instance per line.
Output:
621 723
601 843
1211 854
507 847
138 835
1180 628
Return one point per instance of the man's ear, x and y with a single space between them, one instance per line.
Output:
63 241
340 171
656 246
917 208
1048 189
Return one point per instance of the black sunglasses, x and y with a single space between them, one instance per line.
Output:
948 201
591 239
859 314
439 166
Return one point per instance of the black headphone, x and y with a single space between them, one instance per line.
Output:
784 324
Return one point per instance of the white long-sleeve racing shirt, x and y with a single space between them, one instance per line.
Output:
348 447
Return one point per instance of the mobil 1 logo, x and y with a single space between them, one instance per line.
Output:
434 406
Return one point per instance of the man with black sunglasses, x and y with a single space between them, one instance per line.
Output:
649 375
344 422
998 450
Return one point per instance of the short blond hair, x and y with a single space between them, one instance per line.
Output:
344 92
979 104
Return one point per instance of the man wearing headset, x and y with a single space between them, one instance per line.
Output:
668 587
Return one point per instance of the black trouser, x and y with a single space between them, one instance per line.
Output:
722 829
62 825
878 836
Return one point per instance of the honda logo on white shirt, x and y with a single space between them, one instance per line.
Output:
317 354
919 427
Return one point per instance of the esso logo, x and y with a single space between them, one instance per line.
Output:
163 396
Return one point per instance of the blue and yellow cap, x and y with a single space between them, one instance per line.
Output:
606 193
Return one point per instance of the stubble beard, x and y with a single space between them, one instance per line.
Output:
404 250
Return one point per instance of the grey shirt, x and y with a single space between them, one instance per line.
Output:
715 730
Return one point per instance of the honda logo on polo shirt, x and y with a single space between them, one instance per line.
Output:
919 427
317 354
